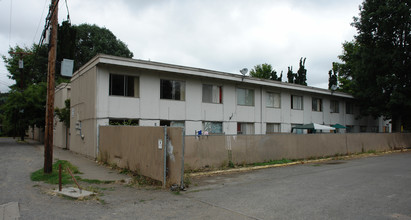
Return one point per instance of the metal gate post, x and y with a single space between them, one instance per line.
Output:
165 157
182 159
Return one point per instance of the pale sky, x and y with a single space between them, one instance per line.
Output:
222 35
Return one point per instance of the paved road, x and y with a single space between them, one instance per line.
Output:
367 188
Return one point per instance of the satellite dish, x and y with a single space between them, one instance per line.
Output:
244 71
334 87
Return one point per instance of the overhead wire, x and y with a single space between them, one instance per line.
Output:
11 10
42 13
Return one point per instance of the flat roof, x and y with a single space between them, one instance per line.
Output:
192 71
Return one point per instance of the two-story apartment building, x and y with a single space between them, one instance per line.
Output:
112 90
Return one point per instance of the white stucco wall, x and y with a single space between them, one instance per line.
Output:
150 109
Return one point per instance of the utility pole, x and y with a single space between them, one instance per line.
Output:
21 54
48 139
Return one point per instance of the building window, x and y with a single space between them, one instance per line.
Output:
363 129
168 123
349 108
296 102
334 106
317 105
245 97
273 128
273 100
212 94
349 128
129 122
121 85
213 127
171 89
245 128
374 129
295 130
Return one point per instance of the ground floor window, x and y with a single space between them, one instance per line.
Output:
363 129
273 128
129 122
297 131
213 127
349 128
168 123
245 128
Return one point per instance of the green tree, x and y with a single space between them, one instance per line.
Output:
301 77
64 113
92 40
265 71
25 108
376 64
34 68
333 77
290 75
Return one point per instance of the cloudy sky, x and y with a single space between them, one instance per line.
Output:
223 35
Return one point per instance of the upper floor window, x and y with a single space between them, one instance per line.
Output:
245 97
317 105
122 85
334 106
212 93
273 100
172 89
296 102
349 108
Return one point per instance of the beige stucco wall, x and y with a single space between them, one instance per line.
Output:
136 148
213 151
83 111
60 133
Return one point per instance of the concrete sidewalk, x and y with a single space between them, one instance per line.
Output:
89 168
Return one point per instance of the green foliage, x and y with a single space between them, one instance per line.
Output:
53 178
265 71
24 109
34 68
92 40
301 77
376 64
290 75
332 77
64 113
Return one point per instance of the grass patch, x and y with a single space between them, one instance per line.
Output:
272 162
94 181
53 178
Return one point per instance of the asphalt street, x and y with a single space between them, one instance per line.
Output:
368 188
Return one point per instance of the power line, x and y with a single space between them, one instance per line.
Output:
42 13
68 13
11 10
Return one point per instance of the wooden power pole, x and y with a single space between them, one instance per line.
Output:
48 137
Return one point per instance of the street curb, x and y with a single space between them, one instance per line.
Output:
244 169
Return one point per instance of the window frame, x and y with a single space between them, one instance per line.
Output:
274 125
349 108
220 95
292 102
125 86
316 105
274 103
173 87
211 124
240 128
334 106
246 94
